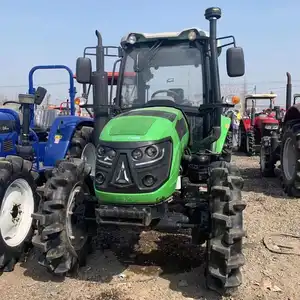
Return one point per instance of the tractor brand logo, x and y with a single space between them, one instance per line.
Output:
4 128
57 138
122 177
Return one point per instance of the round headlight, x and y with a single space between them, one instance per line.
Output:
100 178
101 151
148 180
137 154
111 154
152 151
132 39
192 35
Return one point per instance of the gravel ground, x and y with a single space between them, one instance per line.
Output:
166 266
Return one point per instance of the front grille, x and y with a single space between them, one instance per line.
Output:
8 146
268 131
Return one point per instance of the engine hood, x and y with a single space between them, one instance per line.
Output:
144 124
6 116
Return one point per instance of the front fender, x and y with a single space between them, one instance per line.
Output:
60 136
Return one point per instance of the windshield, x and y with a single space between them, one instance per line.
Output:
162 72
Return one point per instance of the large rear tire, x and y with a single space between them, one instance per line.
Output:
250 142
63 232
290 161
18 200
80 139
224 248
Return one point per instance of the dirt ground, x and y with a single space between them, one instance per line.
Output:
166 266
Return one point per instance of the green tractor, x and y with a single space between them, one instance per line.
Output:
157 164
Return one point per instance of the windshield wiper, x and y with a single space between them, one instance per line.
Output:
150 54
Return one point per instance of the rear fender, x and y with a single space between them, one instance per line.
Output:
60 136
246 123
293 113
225 125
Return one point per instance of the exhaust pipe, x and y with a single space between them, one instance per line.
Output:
288 91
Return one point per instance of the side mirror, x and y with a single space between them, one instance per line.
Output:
235 62
39 95
83 70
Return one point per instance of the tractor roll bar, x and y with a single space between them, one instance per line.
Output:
72 88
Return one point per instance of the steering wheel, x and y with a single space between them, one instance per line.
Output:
174 94
12 102
268 111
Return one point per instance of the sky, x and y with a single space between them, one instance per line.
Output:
39 32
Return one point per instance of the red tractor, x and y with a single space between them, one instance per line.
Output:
257 121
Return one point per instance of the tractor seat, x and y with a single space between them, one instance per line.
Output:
41 133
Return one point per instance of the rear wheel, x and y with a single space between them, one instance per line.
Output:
80 139
290 161
250 142
224 248
18 201
63 235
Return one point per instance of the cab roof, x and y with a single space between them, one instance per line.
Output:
162 35
261 96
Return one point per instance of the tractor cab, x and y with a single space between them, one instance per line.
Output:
171 70
262 108
259 119
261 104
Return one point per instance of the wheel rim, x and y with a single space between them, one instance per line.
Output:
289 159
16 210
76 232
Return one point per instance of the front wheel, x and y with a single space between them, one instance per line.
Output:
62 226
18 201
227 149
224 248
267 166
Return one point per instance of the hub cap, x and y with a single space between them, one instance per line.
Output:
16 210
289 159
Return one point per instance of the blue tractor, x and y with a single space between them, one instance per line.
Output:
10 123
29 153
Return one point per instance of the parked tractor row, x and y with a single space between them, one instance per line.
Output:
150 157
282 145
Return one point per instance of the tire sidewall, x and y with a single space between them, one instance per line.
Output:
289 135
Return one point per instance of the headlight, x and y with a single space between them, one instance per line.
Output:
192 35
137 154
106 155
152 151
148 155
271 127
131 39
